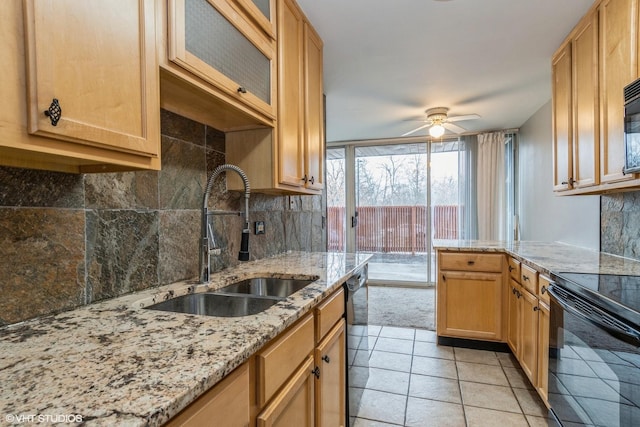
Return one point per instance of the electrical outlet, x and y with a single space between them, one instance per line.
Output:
258 227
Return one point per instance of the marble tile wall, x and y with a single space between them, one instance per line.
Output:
620 224
68 240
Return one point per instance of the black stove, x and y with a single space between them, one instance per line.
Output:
615 293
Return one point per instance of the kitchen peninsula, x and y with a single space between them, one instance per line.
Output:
115 362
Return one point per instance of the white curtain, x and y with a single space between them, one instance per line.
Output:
491 187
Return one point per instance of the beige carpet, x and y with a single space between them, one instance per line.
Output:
402 307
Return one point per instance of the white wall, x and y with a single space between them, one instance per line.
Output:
544 216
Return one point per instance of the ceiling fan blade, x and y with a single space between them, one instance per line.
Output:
461 118
416 129
454 128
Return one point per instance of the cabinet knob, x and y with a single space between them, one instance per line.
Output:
316 372
511 269
54 112
470 262
312 180
242 90
536 308
305 179
543 290
525 278
326 358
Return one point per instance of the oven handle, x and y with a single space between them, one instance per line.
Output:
629 334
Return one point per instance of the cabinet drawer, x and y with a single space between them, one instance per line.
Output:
543 285
471 261
279 360
514 269
329 313
529 279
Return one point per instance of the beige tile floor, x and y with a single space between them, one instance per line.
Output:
415 382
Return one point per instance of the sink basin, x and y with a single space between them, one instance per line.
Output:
210 304
269 287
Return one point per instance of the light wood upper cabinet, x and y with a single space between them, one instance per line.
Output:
218 62
289 159
561 118
314 110
291 81
584 56
618 68
98 62
575 108
588 100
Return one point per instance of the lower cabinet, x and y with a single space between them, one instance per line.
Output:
477 300
297 379
226 404
543 351
330 358
470 296
472 305
294 404
529 329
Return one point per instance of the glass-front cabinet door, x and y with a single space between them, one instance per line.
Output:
220 43
263 11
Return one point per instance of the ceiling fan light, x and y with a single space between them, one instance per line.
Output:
436 131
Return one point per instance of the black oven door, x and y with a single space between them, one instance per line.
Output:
594 365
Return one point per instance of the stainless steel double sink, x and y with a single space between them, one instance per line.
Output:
244 298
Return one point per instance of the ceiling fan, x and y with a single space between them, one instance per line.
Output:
437 121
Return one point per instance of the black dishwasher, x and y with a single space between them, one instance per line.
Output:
357 317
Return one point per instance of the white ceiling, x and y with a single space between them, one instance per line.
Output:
387 61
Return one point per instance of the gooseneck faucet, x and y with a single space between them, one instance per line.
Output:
207 233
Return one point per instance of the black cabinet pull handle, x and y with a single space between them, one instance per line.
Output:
316 372
326 358
536 308
242 90
470 262
525 278
54 112
305 179
312 180
511 269
543 290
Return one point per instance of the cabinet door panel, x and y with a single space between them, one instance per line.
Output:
543 352
618 68
470 305
314 110
290 79
100 63
562 121
513 331
529 350
330 387
294 405
586 120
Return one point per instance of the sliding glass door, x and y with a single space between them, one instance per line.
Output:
392 200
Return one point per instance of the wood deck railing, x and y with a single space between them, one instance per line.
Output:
392 228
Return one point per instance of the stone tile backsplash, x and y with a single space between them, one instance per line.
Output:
68 240
620 224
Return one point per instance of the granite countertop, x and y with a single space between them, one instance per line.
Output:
115 363
549 257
